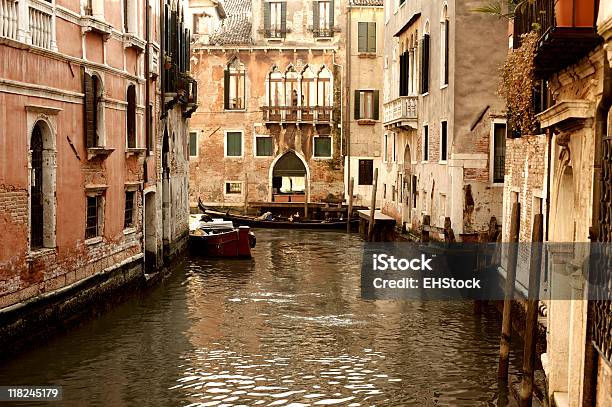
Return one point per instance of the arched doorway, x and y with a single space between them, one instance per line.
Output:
37 180
289 179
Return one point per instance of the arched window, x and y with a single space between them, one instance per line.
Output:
131 116
324 91
292 92
444 46
275 79
309 93
425 60
235 85
94 111
36 189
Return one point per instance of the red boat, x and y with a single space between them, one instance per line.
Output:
218 238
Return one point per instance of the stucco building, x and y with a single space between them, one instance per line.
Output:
564 174
272 100
444 125
94 103
364 68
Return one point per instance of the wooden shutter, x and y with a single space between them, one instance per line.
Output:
331 15
375 103
131 116
88 90
425 64
226 88
357 105
283 18
362 37
267 19
371 37
446 50
315 16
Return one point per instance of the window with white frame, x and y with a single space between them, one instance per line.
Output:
94 216
233 143
444 46
234 86
275 19
264 146
499 152
366 104
233 187
425 143
193 144
323 18
444 141
322 146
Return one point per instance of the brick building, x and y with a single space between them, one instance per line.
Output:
269 126
444 127
94 161
563 174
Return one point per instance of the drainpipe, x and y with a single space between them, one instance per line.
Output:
346 121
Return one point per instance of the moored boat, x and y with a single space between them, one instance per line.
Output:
219 238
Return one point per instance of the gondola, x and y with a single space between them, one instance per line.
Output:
254 222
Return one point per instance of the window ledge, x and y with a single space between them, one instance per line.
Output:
129 231
444 86
497 184
91 23
321 158
366 122
323 39
101 152
234 110
131 40
93 240
425 94
234 156
135 152
38 253
367 54
443 162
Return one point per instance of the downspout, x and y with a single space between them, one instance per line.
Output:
346 120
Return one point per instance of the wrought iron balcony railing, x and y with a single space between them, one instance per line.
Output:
567 30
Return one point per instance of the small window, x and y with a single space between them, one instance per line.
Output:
128 220
444 141
366 37
366 172
275 19
386 148
425 143
499 152
263 146
193 144
233 144
233 188
94 206
323 18
366 104
322 146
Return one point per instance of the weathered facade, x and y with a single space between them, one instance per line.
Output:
563 173
90 175
364 67
269 127
442 148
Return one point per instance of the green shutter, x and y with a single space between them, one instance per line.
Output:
193 144
226 88
362 37
371 37
315 16
267 19
283 18
331 15
375 107
357 105
234 144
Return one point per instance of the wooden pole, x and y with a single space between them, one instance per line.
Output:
425 229
373 206
531 325
504 345
350 205
246 192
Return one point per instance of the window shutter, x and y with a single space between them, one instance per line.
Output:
267 19
331 15
131 116
371 37
283 18
88 90
357 105
315 16
362 37
446 50
226 87
375 107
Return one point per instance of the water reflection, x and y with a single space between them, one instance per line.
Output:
287 328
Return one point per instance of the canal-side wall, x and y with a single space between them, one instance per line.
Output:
33 319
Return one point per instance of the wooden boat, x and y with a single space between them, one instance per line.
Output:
254 222
218 238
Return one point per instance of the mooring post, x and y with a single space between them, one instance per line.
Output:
531 323
246 192
425 229
449 234
504 345
350 205
373 206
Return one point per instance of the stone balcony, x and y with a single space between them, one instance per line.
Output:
401 112
297 114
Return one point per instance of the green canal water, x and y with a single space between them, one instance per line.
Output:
287 328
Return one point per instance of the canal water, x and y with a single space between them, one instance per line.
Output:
286 328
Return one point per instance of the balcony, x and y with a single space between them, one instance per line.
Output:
567 31
297 114
401 112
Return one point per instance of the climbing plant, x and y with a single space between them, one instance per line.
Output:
518 83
